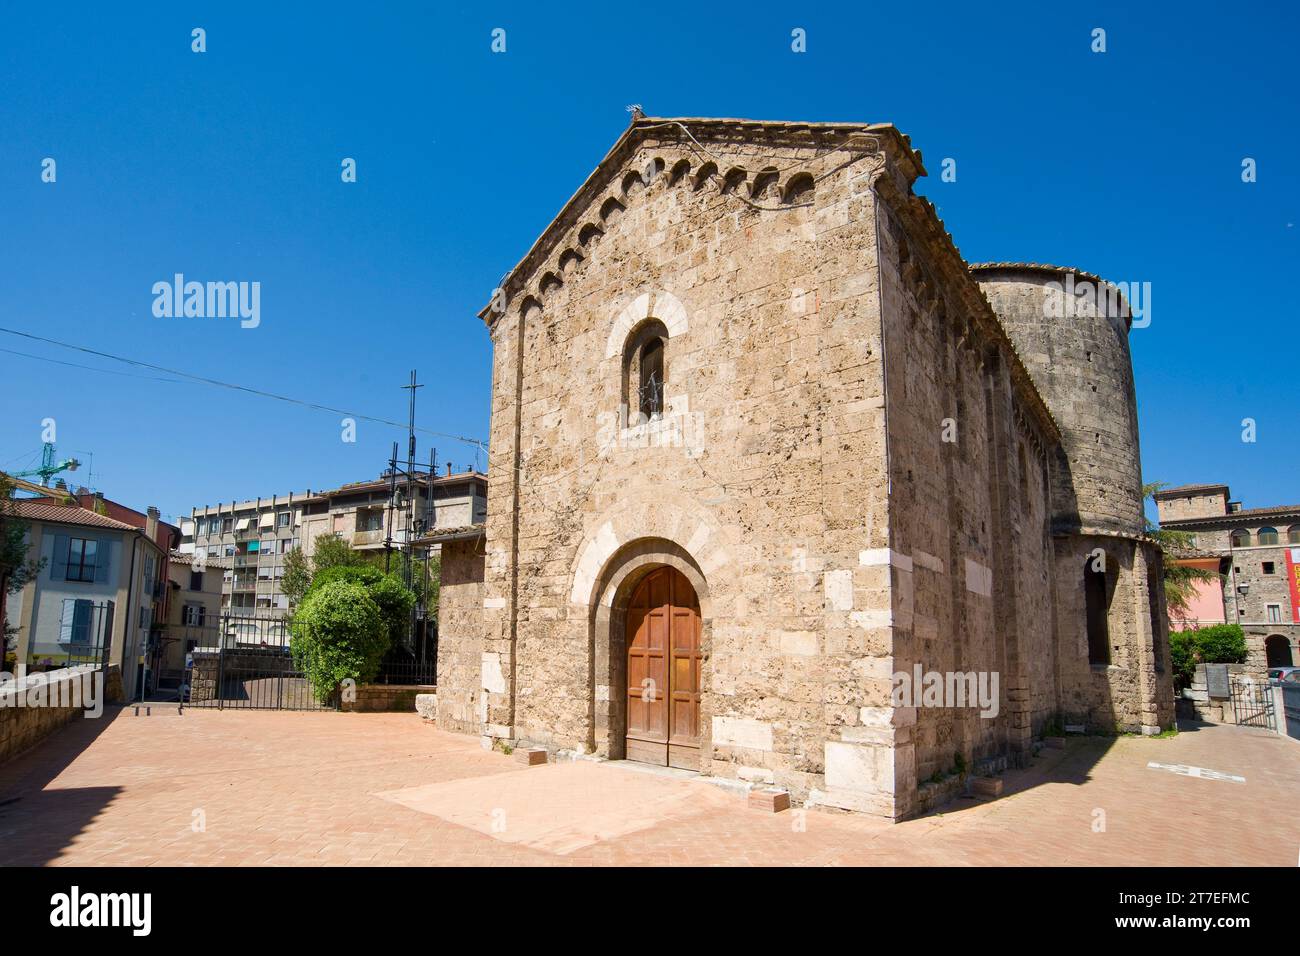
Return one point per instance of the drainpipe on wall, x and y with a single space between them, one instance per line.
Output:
127 616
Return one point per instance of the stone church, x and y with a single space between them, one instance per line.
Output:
761 440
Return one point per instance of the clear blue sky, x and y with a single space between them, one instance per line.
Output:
225 166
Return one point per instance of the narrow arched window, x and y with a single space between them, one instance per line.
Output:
652 379
1268 535
1240 538
1096 593
645 372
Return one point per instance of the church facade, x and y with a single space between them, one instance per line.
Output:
764 446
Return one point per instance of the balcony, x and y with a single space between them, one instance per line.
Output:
361 539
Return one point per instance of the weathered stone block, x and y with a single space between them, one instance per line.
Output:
426 705
770 800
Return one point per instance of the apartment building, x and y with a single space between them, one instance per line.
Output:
101 595
193 611
257 535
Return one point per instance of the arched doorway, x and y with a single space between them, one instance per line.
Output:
1278 650
663 671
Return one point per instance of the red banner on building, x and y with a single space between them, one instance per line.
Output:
1293 579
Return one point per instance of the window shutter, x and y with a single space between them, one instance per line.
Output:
81 621
66 620
103 551
59 565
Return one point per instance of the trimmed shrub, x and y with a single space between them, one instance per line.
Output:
393 598
339 634
1216 644
1221 644
1182 656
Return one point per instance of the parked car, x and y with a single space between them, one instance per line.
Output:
1285 675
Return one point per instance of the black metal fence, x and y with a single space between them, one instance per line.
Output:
413 662
246 659
1252 703
254 678
403 666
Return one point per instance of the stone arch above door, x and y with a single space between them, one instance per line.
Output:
688 528
618 580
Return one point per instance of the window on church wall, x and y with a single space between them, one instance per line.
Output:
1293 534
1268 535
1096 591
1241 539
1154 587
644 373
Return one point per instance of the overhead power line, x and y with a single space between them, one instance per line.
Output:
220 384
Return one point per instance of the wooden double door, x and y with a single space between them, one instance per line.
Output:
663 671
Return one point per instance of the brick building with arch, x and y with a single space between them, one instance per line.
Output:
1256 553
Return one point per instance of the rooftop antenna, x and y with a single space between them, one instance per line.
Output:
635 110
90 467
410 490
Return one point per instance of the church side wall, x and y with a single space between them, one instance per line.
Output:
969 520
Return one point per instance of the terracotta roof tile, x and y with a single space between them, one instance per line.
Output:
1277 511
66 514
1186 489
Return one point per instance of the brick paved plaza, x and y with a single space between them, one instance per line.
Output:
274 788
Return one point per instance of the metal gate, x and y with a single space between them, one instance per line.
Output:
1252 703
1291 708
249 662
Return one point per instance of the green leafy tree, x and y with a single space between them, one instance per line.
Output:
1220 644
1182 657
339 634
1216 644
1179 580
393 598
395 601
328 551
333 559
297 576
332 551
425 582
16 569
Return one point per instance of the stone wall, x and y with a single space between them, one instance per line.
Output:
1194 504
1133 693
460 640
1082 366
968 511
373 698
1197 703
235 666
1075 345
33 707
